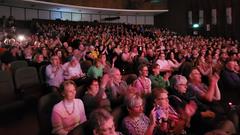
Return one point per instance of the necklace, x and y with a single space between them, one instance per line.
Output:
73 108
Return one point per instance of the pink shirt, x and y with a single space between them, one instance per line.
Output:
63 122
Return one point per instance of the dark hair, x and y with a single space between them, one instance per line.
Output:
90 81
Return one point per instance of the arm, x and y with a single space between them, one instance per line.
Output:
152 124
217 94
57 124
49 72
83 117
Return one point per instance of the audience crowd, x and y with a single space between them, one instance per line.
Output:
164 83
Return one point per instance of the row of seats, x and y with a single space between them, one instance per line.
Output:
19 88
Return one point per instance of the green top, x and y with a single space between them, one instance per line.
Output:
95 72
158 82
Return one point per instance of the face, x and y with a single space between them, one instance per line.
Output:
181 88
74 62
55 61
137 109
162 100
162 56
69 92
144 71
156 70
231 65
94 87
195 75
117 75
107 128
40 58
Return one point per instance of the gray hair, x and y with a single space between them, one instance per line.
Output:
132 100
112 71
178 79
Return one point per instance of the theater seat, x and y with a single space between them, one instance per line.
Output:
28 84
9 103
18 64
45 106
82 129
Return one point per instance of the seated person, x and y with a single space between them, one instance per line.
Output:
54 72
157 80
101 122
96 70
116 87
206 93
143 83
230 83
136 122
95 96
72 69
38 61
68 113
185 100
164 120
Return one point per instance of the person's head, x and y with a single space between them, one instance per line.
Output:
179 83
101 122
231 65
195 75
156 69
93 86
68 90
39 58
69 50
162 56
73 61
55 61
160 97
102 57
143 70
134 104
115 74
59 53
97 62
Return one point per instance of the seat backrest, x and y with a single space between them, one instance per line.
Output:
6 88
18 64
26 76
85 65
82 129
42 73
45 106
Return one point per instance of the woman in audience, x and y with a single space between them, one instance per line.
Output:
104 63
143 83
136 122
54 73
95 96
164 120
72 69
157 80
96 70
68 113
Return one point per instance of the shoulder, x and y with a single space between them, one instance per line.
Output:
58 107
